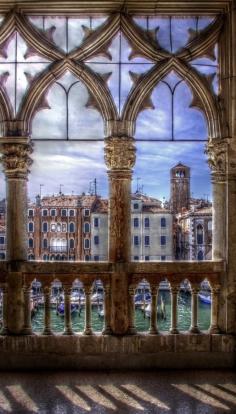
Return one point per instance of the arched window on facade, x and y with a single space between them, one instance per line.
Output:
199 234
31 226
71 227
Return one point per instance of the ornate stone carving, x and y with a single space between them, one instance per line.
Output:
120 153
16 160
216 150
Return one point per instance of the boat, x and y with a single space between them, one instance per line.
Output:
61 309
141 298
205 298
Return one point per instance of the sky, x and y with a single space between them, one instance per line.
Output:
75 164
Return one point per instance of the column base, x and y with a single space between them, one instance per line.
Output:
88 331
174 331
194 330
47 332
68 332
213 330
132 331
153 331
4 332
107 331
27 331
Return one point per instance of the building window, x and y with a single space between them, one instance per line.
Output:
31 257
31 243
136 222
2 256
146 222
2 240
31 227
147 258
136 257
30 213
58 227
53 227
96 258
53 213
163 258
96 222
87 258
45 243
147 241
72 243
136 206
209 225
86 243
64 227
63 213
71 227
200 255
199 234
163 240
86 212
45 227
86 227
71 213
163 222
44 213
96 240
136 240
45 257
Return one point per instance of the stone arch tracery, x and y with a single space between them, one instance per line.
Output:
97 42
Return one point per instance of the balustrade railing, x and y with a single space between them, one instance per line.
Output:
64 283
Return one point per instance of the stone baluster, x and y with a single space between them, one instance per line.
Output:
132 329
4 329
16 161
119 158
47 311
194 309
67 309
174 291
153 317
107 309
27 328
88 309
214 328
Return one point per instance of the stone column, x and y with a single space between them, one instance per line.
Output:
47 311
88 323
120 158
194 309
174 291
67 309
4 330
217 151
214 328
16 162
107 309
153 317
27 328
132 329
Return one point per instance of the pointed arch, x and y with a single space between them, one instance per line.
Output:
203 98
100 96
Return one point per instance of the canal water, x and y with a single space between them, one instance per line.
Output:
142 323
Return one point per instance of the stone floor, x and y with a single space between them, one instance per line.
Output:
180 392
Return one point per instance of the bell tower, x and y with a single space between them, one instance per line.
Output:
180 188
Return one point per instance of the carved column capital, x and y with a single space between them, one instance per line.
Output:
120 153
216 150
16 156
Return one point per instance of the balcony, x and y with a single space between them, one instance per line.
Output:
58 249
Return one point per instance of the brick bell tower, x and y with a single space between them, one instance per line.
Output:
180 188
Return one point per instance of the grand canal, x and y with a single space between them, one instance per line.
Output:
142 323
